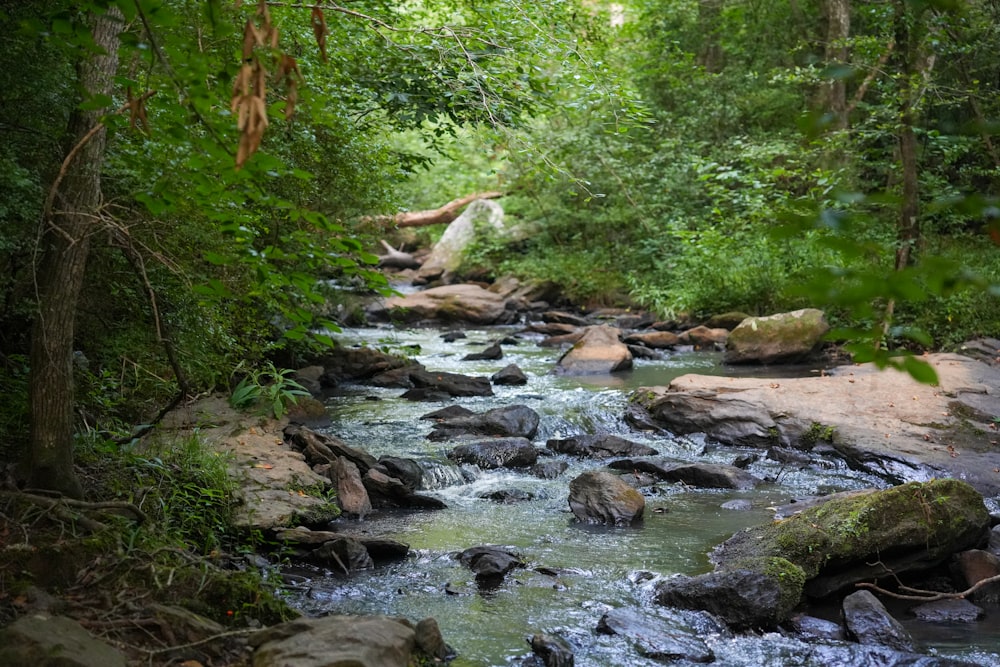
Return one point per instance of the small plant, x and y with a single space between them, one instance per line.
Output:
268 386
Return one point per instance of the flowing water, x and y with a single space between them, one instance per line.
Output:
588 570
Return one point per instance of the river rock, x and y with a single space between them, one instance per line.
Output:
657 340
387 491
862 536
881 422
599 351
452 384
448 413
562 317
552 328
743 598
514 421
948 611
728 321
449 303
601 446
552 650
562 339
776 339
379 548
654 637
601 497
702 475
549 469
508 496
352 498
491 353
490 562
319 448
810 627
397 377
430 640
42 640
357 363
334 641
868 622
496 453
344 554
701 336
976 565
509 375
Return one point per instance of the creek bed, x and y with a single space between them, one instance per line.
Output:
597 568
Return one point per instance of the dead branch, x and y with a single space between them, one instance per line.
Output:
930 596
396 258
437 216
863 88
61 503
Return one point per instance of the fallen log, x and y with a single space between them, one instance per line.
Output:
437 216
396 258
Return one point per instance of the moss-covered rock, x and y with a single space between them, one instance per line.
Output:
781 338
867 535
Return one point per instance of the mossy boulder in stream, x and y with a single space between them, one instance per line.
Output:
776 339
762 573
867 535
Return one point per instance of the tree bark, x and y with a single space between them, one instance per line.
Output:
834 91
65 245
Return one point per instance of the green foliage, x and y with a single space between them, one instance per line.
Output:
267 387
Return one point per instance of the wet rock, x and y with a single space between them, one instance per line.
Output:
642 352
976 565
426 394
552 650
508 496
562 317
737 505
449 412
600 497
452 336
430 641
859 537
453 384
552 329
743 598
701 336
360 641
776 339
788 456
310 379
745 461
868 622
549 469
509 375
602 446
598 352
397 377
491 353
856 655
408 471
657 340
490 562
387 491
994 543
563 339
319 448
702 475
496 453
344 554
810 627
40 639
352 498
515 421
728 321
654 637
358 363
948 611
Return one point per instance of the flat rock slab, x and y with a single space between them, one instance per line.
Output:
450 303
269 474
336 641
882 422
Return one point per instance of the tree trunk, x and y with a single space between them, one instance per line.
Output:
65 244
709 16
437 216
834 91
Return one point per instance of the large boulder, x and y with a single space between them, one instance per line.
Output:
357 363
884 423
598 352
869 622
654 637
862 536
702 475
482 218
516 421
337 641
448 303
601 497
776 339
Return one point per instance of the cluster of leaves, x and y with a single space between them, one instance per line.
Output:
268 386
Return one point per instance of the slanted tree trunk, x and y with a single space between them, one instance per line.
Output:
437 216
69 220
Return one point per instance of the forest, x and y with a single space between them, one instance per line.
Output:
192 193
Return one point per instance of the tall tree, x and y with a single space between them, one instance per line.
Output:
69 219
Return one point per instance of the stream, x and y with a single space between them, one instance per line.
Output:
593 569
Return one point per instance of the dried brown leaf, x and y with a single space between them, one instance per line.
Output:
319 30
